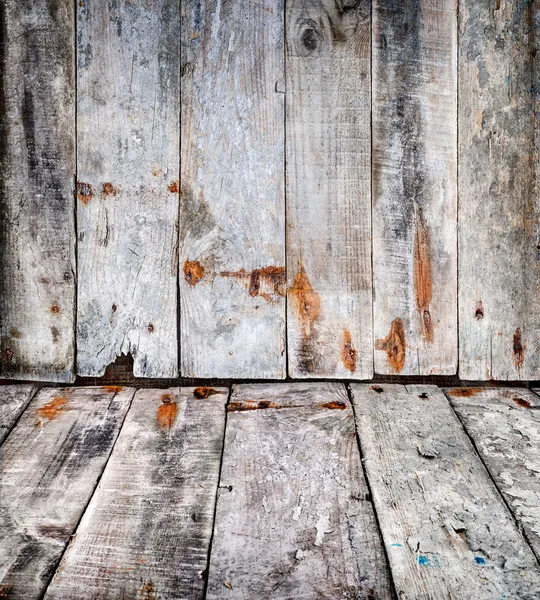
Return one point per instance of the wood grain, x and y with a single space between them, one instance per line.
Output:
415 186
505 427
37 166
13 401
232 238
447 532
50 465
329 188
499 231
127 192
146 532
294 519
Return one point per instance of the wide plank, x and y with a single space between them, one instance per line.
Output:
415 186
329 307
499 244
51 463
13 400
505 427
37 167
447 532
232 213
128 112
294 518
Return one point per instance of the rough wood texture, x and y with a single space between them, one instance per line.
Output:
447 531
37 166
505 427
499 243
146 532
415 186
328 97
232 240
50 465
127 189
294 519
13 400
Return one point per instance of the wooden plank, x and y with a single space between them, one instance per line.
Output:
415 186
232 237
329 310
37 166
505 427
146 533
50 465
128 169
446 529
294 518
13 400
499 243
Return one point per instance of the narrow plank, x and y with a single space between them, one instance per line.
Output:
13 400
50 465
37 166
329 310
499 249
415 186
505 427
128 170
294 518
446 529
232 215
146 532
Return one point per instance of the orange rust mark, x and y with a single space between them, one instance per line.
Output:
246 405
116 389
423 279
308 302
204 392
148 591
109 189
267 282
521 402
348 352
167 412
193 272
85 192
333 405
53 408
173 187
55 309
464 392
518 350
394 345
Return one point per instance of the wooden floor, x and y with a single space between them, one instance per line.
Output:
291 490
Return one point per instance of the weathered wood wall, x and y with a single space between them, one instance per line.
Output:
316 188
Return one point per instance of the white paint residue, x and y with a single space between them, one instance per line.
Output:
323 526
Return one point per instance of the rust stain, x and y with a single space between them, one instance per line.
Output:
348 352
85 192
55 309
522 402
53 408
173 187
479 312
193 272
518 350
148 591
333 405
464 392
204 392
267 282
5 590
423 278
116 389
246 405
167 412
109 189
150 328
394 345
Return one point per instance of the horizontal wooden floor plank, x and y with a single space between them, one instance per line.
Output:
505 427
51 462
13 400
294 519
147 530
447 531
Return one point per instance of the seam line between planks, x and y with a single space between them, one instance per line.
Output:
285 196
23 411
75 178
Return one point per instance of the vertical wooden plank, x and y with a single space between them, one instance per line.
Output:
329 189
294 518
37 166
128 170
13 400
447 532
146 533
232 239
499 216
50 465
415 186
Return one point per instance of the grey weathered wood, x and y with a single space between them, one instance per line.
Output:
447 532
50 465
505 427
13 400
146 532
415 186
328 128
232 238
499 215
294 518
128 168
37 166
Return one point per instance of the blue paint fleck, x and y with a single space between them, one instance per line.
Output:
479 560
397 545
423 561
